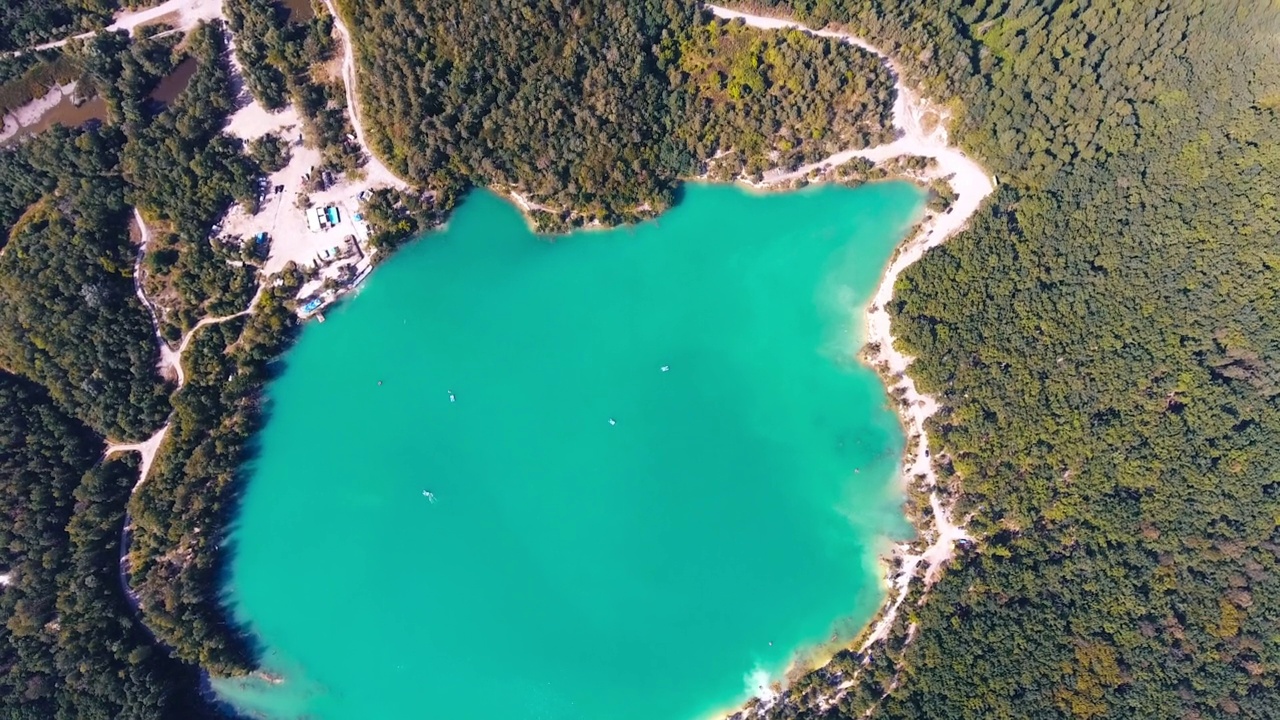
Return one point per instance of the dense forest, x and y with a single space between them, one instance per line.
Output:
184 173
72 324
71 647
569 104
596 110
777 100
181 513
29 22
1100 343
69 318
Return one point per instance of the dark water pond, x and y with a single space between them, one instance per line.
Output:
175 82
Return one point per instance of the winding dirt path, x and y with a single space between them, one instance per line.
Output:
971 185
148 447
169 364
182 14
375 171
170 359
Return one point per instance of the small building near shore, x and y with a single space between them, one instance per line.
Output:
362 227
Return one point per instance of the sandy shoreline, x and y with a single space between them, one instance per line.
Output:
27 115
971 184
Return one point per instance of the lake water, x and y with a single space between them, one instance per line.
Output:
67 113
608 539
300 11
171 85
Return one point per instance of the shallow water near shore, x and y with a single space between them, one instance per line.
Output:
657 469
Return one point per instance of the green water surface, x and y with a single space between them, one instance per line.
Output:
656 567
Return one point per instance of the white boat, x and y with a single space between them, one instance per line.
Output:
429 495
666 368
451 397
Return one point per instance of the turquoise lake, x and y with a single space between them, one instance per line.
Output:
608 539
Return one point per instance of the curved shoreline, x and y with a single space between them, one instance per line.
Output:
971 184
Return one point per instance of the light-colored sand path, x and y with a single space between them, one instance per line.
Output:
971 185
169 365
170 359
181 14
376 173
147 449
528 205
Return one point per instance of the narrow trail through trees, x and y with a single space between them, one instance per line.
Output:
169 358
375 171
179 14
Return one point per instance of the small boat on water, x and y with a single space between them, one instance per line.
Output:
451 397
666 368
429 495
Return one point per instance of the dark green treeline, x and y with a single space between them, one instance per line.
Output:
71 647
597 109
30 22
